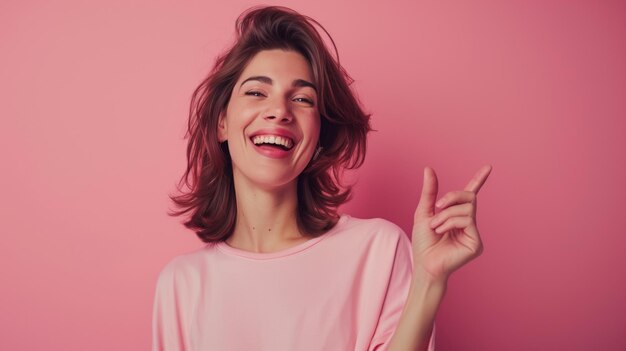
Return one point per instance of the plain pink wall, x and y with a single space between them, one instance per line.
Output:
93 109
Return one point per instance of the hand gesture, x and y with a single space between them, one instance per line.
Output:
445 241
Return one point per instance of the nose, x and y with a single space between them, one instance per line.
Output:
279 111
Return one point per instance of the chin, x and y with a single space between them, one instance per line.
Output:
275 182
271 179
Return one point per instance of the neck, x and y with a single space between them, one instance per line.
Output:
266 217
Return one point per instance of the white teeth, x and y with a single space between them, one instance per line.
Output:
273 139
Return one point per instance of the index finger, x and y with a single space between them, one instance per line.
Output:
479 179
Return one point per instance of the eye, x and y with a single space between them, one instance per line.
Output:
305 100
254 93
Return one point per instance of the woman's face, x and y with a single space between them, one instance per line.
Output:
272 122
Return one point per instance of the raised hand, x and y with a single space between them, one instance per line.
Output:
445 241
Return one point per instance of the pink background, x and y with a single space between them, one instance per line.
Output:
94 100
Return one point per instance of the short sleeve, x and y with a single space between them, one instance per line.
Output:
397 294
169 320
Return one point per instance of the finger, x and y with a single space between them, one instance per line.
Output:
456 197
459 222
426 205
470 237
479 179
466 209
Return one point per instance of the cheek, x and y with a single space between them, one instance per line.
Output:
316 127
239 118
313 125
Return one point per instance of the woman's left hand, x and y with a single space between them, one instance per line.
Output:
445 241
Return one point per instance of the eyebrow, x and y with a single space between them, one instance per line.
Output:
268 80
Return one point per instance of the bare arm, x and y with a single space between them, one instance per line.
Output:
442 243
416 322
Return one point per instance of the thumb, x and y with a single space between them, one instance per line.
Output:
426 205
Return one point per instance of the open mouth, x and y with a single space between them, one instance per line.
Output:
273 142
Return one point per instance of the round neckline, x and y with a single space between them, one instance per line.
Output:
225 248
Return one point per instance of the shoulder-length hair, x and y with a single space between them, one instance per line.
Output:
344 127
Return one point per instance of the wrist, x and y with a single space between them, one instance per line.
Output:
425 278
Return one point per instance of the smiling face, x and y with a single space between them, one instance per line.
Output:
272 122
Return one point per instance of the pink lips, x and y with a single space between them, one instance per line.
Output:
275 131
270 151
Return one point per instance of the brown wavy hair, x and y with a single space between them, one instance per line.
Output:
343 131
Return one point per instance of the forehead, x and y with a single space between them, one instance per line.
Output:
278 64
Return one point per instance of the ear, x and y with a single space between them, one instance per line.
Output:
222 128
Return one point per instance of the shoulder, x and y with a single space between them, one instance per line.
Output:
183 267
378 234
382 244
376 228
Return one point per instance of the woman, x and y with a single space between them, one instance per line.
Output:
271 130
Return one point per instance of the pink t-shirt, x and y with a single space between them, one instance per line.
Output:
344 290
